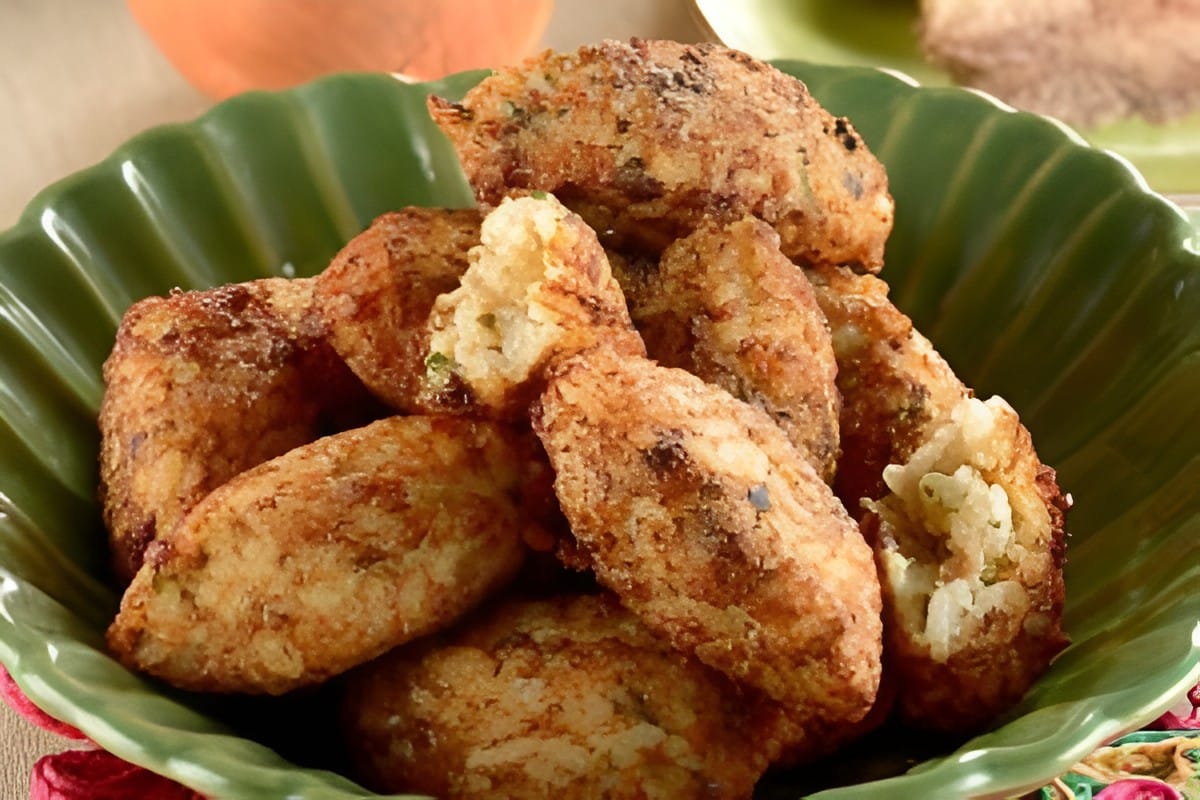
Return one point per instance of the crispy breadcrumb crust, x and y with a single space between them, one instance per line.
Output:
893 383
698 513
726 305
568 697
645 139
202 385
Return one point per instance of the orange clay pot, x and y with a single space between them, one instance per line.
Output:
223 47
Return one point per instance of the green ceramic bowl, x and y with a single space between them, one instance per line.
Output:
1043 268
883 33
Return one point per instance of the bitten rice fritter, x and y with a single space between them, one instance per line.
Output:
329 555
376 294
203 385
648 138
568 698
726 305
538 287
970 546
966 522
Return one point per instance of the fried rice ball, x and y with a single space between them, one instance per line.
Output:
726 305
539 286
570 697
331 554
202 385
966 522
647 138
695 509
376 294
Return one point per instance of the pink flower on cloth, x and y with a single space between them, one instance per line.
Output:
87 773
93 774
1138 789
21 704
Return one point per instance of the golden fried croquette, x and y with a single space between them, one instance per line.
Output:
726 305
647 138
570 697
695 509
968 533
376 294
202 385
970 550
329 555
539 286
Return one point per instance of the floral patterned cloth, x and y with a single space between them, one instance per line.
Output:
1160 762
1147 765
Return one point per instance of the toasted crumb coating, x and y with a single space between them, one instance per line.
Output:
695 509
376 294
647 138
726 305
894 385
968 533
570 697
970 549
539 286
202 385
329 555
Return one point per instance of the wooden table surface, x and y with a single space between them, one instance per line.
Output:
78 78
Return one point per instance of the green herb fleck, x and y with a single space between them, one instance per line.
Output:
438 367
488 321
538 194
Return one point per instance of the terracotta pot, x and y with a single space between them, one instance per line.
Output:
231 46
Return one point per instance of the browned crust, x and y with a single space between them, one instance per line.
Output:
646 138
894 385
329 555
202 385
695 509
376 294
567 697
726 305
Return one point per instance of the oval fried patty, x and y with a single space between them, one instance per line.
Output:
647 138
570 697
726 305
696 510
202 385
966 522
329 555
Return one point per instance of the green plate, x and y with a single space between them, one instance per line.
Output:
882 33
1042 267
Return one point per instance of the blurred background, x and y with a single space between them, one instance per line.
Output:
79 77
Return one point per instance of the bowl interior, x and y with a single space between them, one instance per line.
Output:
1042 268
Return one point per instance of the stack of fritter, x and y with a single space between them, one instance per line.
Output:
657 357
